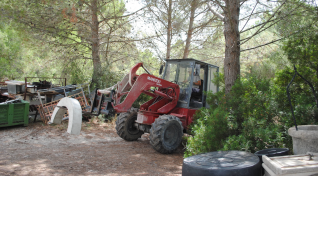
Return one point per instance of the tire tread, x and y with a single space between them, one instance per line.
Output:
156 132
121 120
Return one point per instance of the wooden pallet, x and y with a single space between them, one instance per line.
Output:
46 110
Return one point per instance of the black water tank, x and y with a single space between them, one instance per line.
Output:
222 163
271 152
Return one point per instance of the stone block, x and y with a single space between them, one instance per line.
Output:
291 165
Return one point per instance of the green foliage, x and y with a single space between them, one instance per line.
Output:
254 116
105 78
74 74
253 120
149 61
257 111
303 50
10 52
63 30
141 100
210 130
255 135
302 98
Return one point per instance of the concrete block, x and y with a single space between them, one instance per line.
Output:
291 165
74 112
305 139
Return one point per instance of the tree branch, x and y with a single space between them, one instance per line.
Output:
221 17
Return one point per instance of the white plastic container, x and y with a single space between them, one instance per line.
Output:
32 88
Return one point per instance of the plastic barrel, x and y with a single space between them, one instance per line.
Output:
222 163
272 152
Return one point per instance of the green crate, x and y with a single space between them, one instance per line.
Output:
14 114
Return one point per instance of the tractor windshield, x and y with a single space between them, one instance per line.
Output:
181 74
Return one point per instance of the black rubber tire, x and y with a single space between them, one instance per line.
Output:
125 126
166 134
222 163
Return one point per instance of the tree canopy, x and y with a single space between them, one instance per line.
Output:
100 39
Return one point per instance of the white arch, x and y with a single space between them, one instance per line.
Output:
74 113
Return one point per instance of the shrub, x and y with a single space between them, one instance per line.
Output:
210 130
302 98
253 116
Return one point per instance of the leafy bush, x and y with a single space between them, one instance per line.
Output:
105 78
10 52
253 116
210 130
302 98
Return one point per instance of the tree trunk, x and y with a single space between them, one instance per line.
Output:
190 30
169 30
232 40
96 79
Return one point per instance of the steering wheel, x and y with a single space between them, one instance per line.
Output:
184 85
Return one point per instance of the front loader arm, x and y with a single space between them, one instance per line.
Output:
142 85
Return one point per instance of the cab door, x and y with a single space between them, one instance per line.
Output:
208 85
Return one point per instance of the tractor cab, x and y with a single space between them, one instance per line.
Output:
194 79
174 101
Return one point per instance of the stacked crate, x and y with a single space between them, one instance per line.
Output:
14 114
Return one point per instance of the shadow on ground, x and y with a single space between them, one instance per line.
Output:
39 150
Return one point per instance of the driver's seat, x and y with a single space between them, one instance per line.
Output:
196 98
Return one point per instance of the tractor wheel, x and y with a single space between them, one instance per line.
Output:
125 126
166 134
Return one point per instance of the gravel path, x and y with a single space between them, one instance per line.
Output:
39 150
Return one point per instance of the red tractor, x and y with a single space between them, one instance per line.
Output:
174 99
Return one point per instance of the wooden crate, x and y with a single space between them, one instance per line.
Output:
46 110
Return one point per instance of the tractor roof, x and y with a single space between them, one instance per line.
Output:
190 59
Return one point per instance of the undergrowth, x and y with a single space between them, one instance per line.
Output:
255 115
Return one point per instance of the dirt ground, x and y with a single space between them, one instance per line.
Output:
47 150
